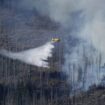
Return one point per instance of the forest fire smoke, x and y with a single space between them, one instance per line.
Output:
84 24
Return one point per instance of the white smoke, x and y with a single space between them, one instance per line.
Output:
84 66
89 26
36 56
94 32
92 16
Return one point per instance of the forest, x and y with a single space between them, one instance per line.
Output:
76 73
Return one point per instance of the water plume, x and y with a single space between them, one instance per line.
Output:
36 56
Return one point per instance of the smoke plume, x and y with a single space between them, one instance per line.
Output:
90 15
36 56
84 20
